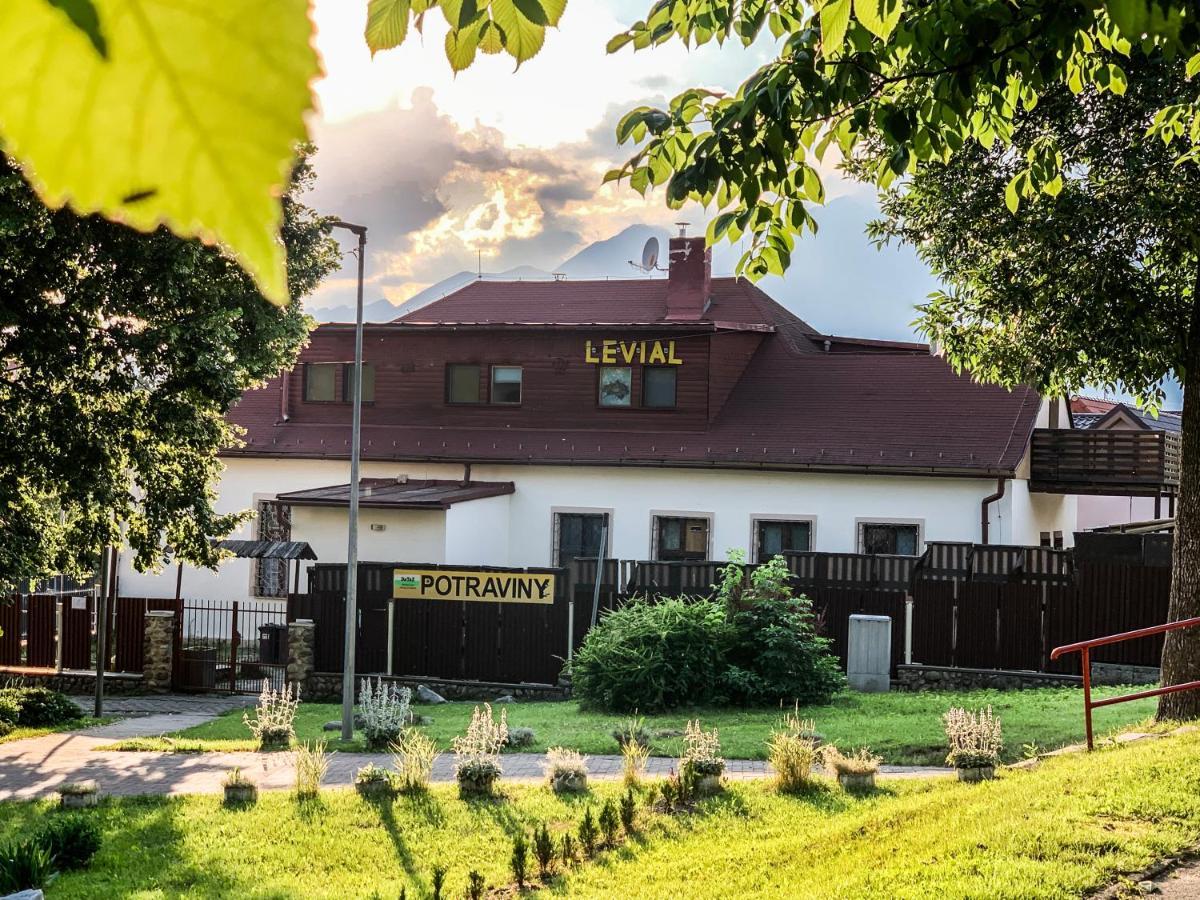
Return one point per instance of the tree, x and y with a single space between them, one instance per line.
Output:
901 87
122 353
1097 286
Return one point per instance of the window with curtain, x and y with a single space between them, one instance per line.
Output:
773 538
890 537
680 538
274 524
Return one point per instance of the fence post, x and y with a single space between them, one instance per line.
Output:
908 629
391 635
58 634
301 646
233 650
158 660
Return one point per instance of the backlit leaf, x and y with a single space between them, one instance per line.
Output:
83 16
835 19
879 16
523 38
387 23
191 121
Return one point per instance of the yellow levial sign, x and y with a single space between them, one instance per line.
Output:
494 587
609 352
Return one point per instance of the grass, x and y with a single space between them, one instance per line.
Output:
75 724
1073 824
903 728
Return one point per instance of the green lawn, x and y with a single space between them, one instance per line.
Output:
1073 824
74 725
902 727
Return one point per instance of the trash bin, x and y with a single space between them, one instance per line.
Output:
200 667
272 644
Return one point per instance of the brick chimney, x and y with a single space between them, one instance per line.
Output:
689 279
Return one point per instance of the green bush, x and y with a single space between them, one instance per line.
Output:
24 866
776 655
10 711
651 656
71 841
39 707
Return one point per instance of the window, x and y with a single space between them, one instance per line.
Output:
274 524
319 380
506 384
889 537
658 387
616 386
368 391
773 538
462 383
680 538
576 535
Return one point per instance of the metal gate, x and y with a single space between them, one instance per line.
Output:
231 646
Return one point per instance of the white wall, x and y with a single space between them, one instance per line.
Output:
517 529
477 532
1096 512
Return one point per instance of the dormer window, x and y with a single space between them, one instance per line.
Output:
506 385
320 382
658 387
616 386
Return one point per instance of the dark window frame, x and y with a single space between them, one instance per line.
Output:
308 367
348 382
680 555
674 370
492 401
479 394
273 522
605 517
863 524
759 522
600 404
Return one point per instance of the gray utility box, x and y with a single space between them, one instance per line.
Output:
869 654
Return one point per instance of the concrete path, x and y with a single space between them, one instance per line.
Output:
36 766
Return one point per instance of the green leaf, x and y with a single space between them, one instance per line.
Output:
879 16
554 10
83 16
192 121
461 46
1012 196
616 42
835 19
523 37
1193 66
532 10
387 23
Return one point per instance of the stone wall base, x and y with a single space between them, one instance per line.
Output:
1118 673
74 681
326 687
944 678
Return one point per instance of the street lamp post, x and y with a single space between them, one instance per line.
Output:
360 231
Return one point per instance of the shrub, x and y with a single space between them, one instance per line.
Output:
862 762
274 716
477 753
6 728
634 757
566 770
609 823
71 841
543 850
414 756
632 731
701 752
372 774
975 738
38 707
385 710
10 710
312 762
654 656
628 811
775 652
475 885
567 850
792 750
24 866
437 882
519 859
588 833
520 737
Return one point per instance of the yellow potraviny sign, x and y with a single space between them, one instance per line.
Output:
489 587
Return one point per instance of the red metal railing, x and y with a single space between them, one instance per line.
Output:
1085 648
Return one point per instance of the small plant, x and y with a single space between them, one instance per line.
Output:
588 833
475 885
238 788
437 882
566 770
974 738
634 756
520 737
628 810
701 765
414 755
609 823
1032 750
632 731
792 751
567 850
854 771
274 716
373 781
672 791
312 762
71 841
385 710
543 850
24 866
477 753
79 794
519 858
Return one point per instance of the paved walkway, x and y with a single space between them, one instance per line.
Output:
36 766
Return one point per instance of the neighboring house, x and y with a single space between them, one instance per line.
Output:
514 423
1123 507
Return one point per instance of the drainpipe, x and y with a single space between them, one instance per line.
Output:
983 508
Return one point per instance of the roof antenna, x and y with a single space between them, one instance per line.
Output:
649 261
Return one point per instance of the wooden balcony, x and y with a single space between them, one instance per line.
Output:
1120 463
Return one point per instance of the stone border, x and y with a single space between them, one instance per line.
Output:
327 687
936 678
76 682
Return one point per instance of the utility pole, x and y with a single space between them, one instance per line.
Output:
101 635
360 231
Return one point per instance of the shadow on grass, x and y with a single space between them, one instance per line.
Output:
385 807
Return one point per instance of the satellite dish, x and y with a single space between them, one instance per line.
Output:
650 254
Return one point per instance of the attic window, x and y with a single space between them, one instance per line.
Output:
320 382
506 385
616 386
658 387
462 383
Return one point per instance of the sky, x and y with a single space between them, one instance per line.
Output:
500 167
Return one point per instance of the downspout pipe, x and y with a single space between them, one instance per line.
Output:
1001 483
